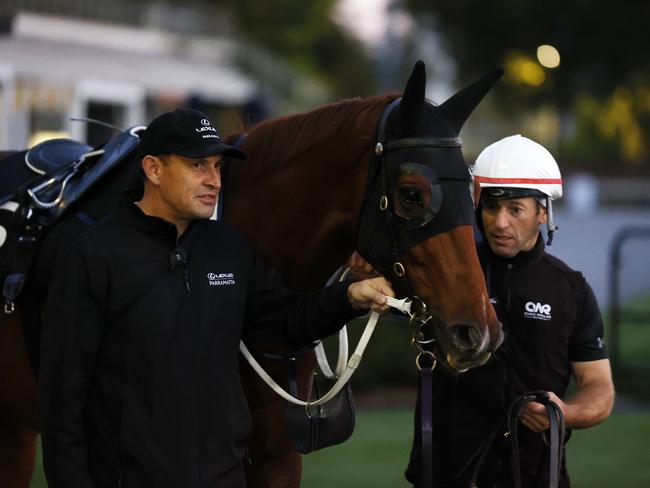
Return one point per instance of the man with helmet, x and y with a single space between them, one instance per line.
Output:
553 331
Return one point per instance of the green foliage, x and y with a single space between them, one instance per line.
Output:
304 34
602 48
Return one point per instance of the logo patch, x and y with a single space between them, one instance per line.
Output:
203 129
207 126
536 310
221 279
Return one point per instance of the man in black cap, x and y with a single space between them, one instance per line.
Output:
139 372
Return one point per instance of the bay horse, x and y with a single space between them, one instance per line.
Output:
330 187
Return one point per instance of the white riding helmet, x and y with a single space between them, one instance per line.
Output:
516 167
518 162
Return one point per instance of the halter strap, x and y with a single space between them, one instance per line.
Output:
406 142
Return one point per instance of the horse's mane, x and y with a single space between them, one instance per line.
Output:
277 142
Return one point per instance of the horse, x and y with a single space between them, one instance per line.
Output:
412 222
404 203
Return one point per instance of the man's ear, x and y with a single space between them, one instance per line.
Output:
151 168
542 216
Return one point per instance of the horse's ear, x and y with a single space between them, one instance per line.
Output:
411 108
457 108
476 192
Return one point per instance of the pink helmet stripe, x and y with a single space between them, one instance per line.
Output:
507 181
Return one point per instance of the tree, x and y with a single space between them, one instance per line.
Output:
601 88
304 34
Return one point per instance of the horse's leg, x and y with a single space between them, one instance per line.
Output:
18 406
275 464
17 454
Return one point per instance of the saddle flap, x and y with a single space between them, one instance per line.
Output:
14 174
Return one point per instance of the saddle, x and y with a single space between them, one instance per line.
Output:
49 178
43 159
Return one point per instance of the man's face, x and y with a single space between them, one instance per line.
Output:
512 225
188 188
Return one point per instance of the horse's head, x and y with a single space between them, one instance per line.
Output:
417 225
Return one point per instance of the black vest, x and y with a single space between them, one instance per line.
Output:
539 301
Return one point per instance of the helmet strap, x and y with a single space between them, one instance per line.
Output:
551 228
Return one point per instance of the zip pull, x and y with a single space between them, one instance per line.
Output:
186 273
178 257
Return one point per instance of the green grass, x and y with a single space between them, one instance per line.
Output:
376 455
613 454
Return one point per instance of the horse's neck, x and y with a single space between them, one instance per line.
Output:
302 217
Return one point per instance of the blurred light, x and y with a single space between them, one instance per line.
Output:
548 56
522 69
45 135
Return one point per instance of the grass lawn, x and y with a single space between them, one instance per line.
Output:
614 454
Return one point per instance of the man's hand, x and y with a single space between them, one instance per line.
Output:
534 414
360 269
591 404
370 294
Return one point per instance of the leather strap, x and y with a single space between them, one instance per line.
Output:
556 434
350 368
426 427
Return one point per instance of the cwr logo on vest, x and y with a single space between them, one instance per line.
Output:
536 310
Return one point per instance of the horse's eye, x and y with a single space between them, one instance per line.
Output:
415 195
411 196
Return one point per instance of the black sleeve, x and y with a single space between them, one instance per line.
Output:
273 311
73 327
586 342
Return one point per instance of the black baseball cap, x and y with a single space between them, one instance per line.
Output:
185 132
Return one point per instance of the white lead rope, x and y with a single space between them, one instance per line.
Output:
352 364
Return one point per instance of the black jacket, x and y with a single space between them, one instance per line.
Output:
550 319
140 380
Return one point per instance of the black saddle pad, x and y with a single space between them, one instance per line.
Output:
13 173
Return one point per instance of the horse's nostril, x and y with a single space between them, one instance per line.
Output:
465 337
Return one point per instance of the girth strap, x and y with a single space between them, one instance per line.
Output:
426 427
556 435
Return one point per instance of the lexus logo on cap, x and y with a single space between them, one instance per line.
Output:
205 122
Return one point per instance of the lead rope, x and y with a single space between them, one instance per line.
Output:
403 306
321 357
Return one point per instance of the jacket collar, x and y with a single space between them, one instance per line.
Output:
134 216
523 258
